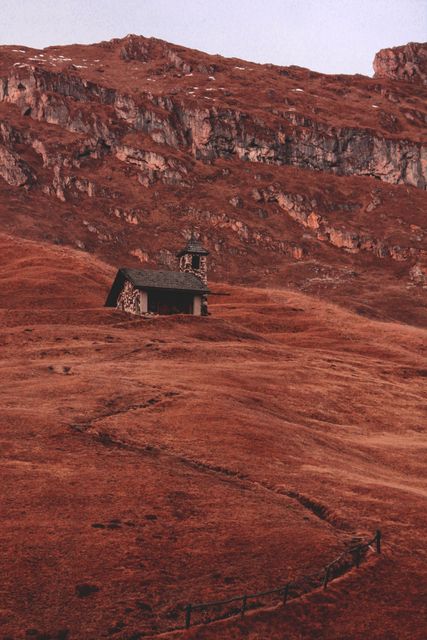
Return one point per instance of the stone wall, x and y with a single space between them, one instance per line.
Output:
185 264
132 300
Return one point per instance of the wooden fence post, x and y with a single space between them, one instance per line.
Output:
244 601
378 540
326 578
285 594
188 616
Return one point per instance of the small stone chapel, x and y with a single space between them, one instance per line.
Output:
141 291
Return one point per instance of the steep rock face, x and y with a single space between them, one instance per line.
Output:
66 100
407 63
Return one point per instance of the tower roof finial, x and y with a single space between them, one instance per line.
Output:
193 246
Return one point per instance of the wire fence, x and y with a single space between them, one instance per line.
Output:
206 612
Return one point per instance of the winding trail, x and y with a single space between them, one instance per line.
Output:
351 557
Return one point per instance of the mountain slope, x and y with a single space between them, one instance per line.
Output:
292 178
151 462
148 463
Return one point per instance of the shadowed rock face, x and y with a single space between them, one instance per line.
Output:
407 63
124 147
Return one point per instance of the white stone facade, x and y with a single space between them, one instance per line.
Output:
186 265
132 300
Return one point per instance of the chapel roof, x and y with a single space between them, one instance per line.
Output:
151 279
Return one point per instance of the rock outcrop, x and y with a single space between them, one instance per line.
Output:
305 213
408 63
14 170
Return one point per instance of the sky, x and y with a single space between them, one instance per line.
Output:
331 36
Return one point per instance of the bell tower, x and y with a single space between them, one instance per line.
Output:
193 259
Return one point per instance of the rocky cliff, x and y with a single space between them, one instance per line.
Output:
123 147
407 63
